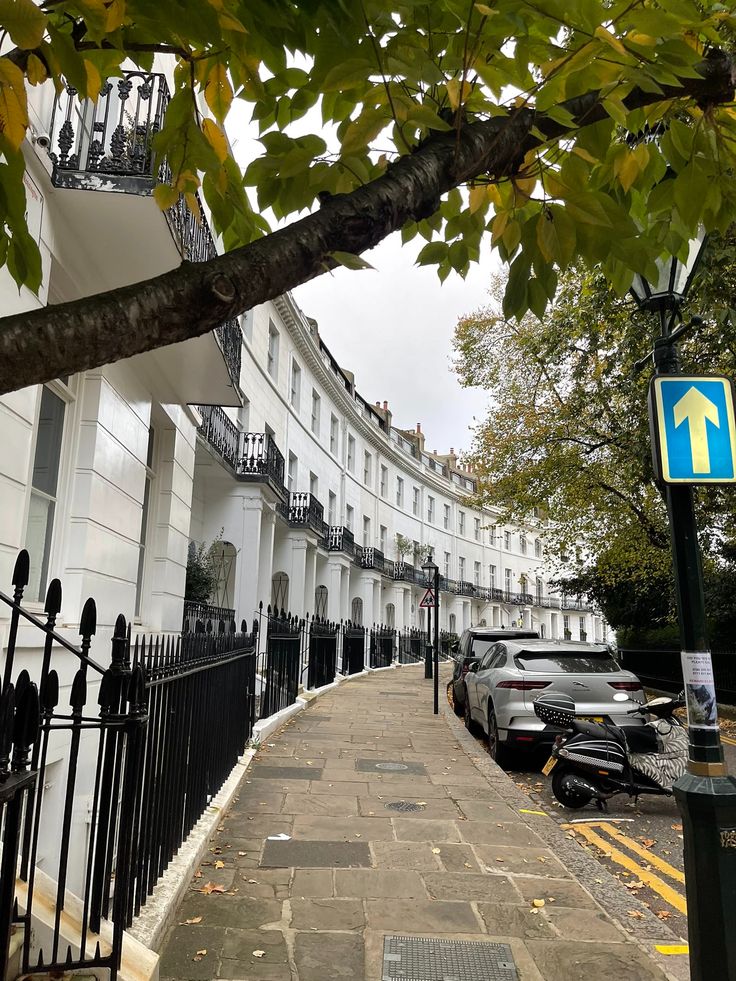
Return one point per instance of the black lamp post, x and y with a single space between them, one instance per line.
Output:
433 580
706 795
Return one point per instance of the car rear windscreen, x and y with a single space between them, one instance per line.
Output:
567 662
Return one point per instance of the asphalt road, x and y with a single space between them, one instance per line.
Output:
638 842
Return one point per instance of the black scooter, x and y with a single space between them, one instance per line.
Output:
596 761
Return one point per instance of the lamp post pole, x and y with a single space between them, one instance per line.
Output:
706 795
428 646
436 640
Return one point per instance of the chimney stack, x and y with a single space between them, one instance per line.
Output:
419 427
385 406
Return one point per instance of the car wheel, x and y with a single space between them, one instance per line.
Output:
496 749
452 700
470 725
567 796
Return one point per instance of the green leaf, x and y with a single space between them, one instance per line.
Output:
556 235
24 21
349 260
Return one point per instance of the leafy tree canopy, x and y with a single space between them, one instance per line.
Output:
447 119
567 431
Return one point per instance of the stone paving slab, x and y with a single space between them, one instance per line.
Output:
315 869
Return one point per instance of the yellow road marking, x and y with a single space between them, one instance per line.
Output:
727 739
668 894
651 857
523 810
672 948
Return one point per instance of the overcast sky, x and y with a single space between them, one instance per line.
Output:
393 328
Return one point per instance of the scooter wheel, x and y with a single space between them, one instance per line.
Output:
566 795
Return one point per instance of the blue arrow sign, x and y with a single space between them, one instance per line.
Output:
694 429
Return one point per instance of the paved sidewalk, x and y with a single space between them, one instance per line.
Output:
364 818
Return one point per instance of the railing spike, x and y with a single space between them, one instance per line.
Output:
22 569
53 598
88 620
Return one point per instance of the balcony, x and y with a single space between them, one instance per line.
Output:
108 146
340 539
304 510
407 573
465 588
253 457
373 558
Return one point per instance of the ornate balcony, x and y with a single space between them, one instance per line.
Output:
304 510
465 588
340 539
373 558
252 456
406 572
108 146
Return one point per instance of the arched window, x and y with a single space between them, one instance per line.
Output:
224 556
356 613
320 601
390 615
280 591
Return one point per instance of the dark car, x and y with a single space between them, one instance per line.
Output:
471 647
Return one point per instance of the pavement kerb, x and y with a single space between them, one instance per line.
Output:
151 926
590 874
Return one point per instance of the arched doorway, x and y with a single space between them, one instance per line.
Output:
320 602
356 612
280 591
224 556
390 615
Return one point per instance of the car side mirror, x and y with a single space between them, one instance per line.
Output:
473 667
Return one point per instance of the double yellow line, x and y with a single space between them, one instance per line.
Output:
589 831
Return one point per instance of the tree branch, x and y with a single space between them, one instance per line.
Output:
196 297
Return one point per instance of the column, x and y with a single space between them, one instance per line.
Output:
345 595
248 562
310 579
466 614
367 594
398 601
265 564
298 577
334 590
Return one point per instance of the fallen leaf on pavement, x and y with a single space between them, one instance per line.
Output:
663 914
648 842
537 903
676 827
635 913
219 864
198 874
259 953
435 851
210 887
242 853
200 954
194 919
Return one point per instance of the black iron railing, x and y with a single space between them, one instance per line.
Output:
304 509
412 645
91 142
373 558
259 456
448 640
465 588
341 539
382 643
209 674
198 615
220 432
108 145
279 665
322 665
353 648
408 573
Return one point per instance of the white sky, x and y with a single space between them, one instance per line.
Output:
393 327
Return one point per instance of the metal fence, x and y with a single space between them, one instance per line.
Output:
663 670
280 664
353 648
323 642
137 744
382 642
412 645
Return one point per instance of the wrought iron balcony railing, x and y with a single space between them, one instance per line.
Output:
304 509
251 455
465 588
373 558
108 146
408 573
341 539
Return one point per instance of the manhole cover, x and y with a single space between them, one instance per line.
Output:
403 805
391 766
427 959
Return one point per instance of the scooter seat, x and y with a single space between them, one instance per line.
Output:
639 739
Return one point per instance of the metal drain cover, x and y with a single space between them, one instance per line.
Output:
391 766
403 805
429 959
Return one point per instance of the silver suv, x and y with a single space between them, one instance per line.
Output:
471 647
501 687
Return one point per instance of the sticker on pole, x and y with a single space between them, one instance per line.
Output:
700 689
693 429
428 600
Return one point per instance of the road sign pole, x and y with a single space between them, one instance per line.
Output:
428 645
436 641
706 795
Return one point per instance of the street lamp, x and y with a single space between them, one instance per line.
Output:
432 572
706 795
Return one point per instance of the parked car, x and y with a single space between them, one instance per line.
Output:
471 647
500 690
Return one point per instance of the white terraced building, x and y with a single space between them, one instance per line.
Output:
108 475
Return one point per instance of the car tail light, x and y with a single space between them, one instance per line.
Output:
524 685
464 671
625 685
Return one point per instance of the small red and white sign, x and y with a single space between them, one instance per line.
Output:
428 601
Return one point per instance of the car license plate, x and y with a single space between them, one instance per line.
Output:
549 766
592 718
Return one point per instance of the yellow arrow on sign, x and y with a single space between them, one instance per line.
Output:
697 408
